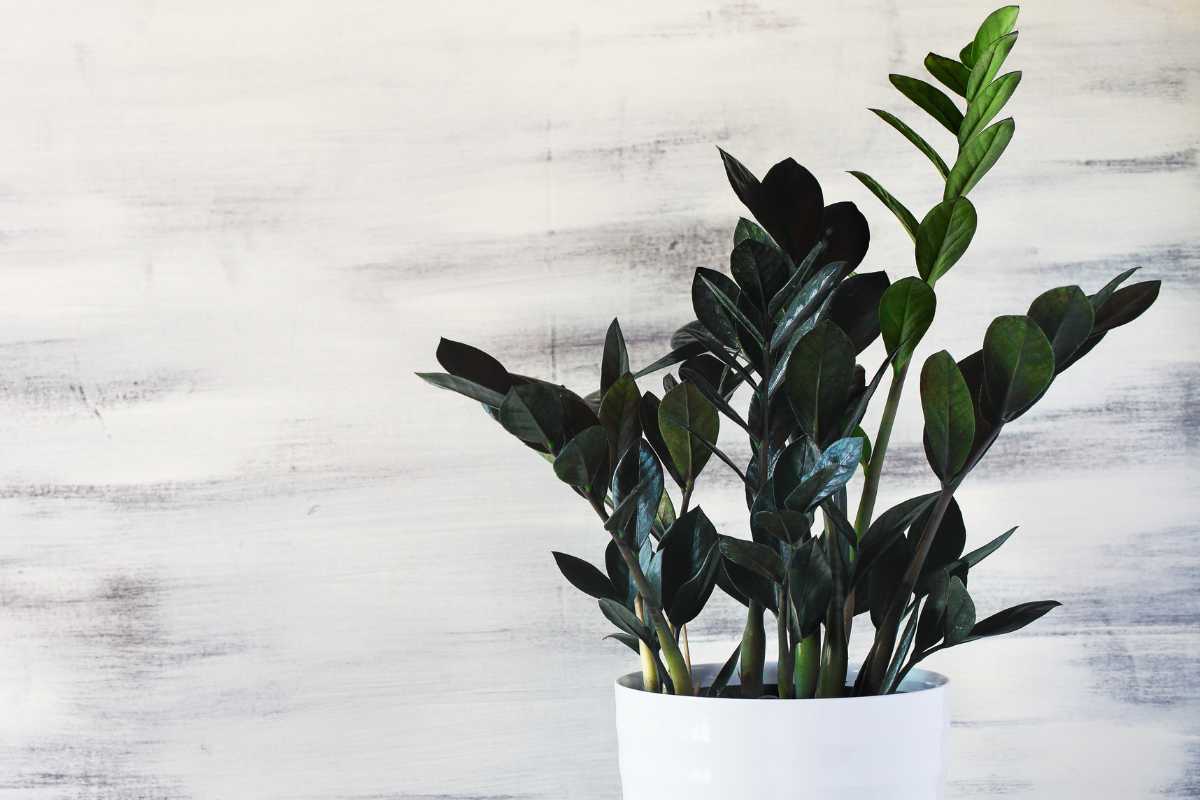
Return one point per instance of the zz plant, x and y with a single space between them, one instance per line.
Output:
774 352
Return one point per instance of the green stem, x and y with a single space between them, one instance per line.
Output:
785 673
866 505
649 667
754 646
808 664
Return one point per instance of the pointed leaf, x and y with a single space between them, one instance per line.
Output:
464 387
988 65
1012 619
949 415
806 303
905 314
810 582
626 620
472 364
616 358
713 293
584 577
820 374
887 528
752 556
931 100
997 24
847 233
1018 365
977 156
833 470
987 104
583 462
944 236
792 207
950 73
915 138
619 415
895 206
1065 315
855 307
747 230
533 413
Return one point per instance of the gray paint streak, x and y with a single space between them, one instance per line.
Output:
247 554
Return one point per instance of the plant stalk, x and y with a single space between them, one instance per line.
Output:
807 665
786 667
649 669
866 504
754 646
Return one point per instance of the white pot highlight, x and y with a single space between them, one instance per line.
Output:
855 748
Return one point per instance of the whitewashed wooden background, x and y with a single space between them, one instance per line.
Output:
244 553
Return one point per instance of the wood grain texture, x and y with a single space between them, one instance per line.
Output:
246 554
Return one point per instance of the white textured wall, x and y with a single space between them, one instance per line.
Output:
244 553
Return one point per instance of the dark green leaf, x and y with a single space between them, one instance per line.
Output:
930 99
810 582
948 540
987 104
676 356
988 65
725 673
905 313
716 398
895 206
583 462
799 277
855 307
786 526
944 236
686 603
791 466
887 528
626 620
792 207
1101 297
711 304
684 414
618 575
648 416
949 415
745 585
757 558
474 365
847 233
619 414
997 24
949 614
616 358
819 377
1121 308
732 308
744 184
806 302
961 566
533 413
833 470
464 387
760 270
1012 619
1018 365
950 73
584 577
1065 315
977 156
629 641
747 230
915 138
638 478
884 576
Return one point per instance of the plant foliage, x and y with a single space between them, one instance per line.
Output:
775 350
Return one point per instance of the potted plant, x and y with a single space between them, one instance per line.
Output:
773 352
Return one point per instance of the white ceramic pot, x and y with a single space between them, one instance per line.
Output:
855 748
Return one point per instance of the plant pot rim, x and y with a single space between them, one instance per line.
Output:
918 681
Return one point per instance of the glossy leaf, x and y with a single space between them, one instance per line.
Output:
713 294
916 140
949 72
806 303
949 415
472 364
997 24
987 104
810 585
791 527
792 207
905 313
819 376
887 528
615 362
747 230
1018 365
620 417
1101 297
1012 619
648 418
760 270
583 462
833 470
533 413
949 614
948 541
584 577
626 621
618 575
629 641
977 156
464 387
1066 317
962 565
685 414
794 462
1121 308
686 603
724 674
931 100
638 478
855 307
745 585
847 234
890 202
987 65
757 558
742 324
944 236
